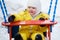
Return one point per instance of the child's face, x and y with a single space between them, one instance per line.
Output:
32 10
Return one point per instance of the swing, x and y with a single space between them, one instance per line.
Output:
38 22
53 12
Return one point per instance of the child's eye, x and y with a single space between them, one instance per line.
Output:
34 8
29 7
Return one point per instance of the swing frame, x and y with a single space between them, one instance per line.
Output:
31 22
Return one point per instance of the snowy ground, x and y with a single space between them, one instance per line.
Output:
15 7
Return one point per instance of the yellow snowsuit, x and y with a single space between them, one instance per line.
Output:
31 31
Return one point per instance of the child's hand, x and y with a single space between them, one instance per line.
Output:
11 18
42 19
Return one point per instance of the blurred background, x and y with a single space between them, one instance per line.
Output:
15 6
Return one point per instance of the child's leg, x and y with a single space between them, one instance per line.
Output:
37 36
21 36
15 30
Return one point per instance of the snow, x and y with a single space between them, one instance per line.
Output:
14 6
